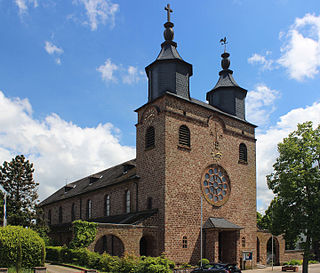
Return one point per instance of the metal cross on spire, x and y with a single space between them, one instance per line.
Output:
167 8
224 43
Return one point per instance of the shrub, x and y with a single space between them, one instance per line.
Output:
204 262
295 262
21 247
84 233
54 253
313 262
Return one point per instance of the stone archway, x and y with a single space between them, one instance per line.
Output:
110 244
147 246
276 253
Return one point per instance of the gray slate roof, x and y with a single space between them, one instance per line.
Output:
114 175
220 223
226 80
168 52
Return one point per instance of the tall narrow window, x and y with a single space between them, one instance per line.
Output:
49 217
107 205
72 213
243 242
89 209
149 203
243 152
184 242
60 215
184 135
127 201
150 137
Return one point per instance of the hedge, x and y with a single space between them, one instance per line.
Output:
84 233
107 263
21 247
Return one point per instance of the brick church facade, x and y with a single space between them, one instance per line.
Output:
186 150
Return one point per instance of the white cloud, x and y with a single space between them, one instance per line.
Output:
301 49
53 50
260 104
99 11
23 5
267 146
133 75
260 59
111 72
59 149
107 70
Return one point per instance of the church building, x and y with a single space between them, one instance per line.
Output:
190 154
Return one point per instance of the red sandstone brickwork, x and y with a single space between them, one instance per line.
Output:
175 172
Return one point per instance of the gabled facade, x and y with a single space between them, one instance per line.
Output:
186 150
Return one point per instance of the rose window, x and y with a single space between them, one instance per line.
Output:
215 185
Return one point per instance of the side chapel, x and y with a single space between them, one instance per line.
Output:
186 150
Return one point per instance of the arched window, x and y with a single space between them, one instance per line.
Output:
243 152
149 203
89 209
72 213
60 215
49 217
150 137
243 242
107 205
128 201
184 242
184 135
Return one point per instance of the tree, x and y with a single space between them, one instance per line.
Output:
16 178
295 182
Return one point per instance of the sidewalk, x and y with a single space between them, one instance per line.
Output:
313 268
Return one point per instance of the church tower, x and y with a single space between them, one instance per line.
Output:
190 150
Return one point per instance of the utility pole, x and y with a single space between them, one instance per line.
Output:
201 237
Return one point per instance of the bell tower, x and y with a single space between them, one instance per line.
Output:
169 72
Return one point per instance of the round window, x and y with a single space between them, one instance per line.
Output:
215 185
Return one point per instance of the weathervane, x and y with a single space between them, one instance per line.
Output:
224 43
167 8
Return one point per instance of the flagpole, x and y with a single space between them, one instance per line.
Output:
201 237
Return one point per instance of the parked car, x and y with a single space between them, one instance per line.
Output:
218 268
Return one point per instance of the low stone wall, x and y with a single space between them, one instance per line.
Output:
292 254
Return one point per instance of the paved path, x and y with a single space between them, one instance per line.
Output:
313 268
60 269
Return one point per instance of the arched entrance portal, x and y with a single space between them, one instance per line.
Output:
147 246
110 244
275 257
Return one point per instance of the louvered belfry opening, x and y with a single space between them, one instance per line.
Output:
184 136
150 137
243 152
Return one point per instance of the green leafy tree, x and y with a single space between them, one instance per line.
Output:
262 221
295 182
16 178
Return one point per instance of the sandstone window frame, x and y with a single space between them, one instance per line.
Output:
149 203
89 209
184 242
243 242
107 205
60 215
184 136
243 153
49 217
150 138
127 201
73 217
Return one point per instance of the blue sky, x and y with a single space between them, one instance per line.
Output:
72 72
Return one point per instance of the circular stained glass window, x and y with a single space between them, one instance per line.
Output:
215 185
